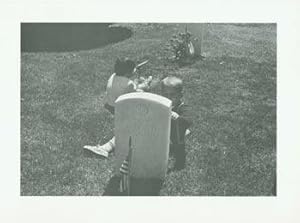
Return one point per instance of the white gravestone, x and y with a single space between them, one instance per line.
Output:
197 30
145 118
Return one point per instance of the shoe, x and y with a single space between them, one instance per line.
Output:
98 150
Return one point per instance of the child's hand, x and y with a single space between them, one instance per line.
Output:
144 84
174 115
149 79
148 82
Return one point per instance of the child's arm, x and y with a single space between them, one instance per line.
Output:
145 84
132 87
183 116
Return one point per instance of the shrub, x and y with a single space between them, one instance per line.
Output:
180 45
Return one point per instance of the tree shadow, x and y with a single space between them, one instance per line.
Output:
189 61
60 37
139 187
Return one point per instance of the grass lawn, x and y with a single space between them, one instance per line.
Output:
232 148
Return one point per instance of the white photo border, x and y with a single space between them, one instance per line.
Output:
282 208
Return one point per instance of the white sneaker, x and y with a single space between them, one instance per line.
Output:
97 149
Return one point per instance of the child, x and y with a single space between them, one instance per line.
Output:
181 119
118 84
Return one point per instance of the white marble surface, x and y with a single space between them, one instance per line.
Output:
146 118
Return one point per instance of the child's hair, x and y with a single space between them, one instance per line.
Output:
172 82
124 67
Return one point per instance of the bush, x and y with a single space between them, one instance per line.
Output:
181 46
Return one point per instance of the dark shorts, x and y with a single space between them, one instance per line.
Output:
110 108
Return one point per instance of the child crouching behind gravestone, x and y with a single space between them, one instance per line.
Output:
181 119
118 84
172 88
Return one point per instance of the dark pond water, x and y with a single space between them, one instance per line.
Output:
61 37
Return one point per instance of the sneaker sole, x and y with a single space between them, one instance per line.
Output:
99 152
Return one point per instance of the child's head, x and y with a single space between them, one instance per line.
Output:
172 88
124 67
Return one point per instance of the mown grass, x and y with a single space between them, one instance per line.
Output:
232 148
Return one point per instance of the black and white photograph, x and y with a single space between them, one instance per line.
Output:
148 109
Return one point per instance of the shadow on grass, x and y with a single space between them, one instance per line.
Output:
59 37
139 187
185 62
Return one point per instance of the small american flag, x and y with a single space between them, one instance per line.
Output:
125 171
